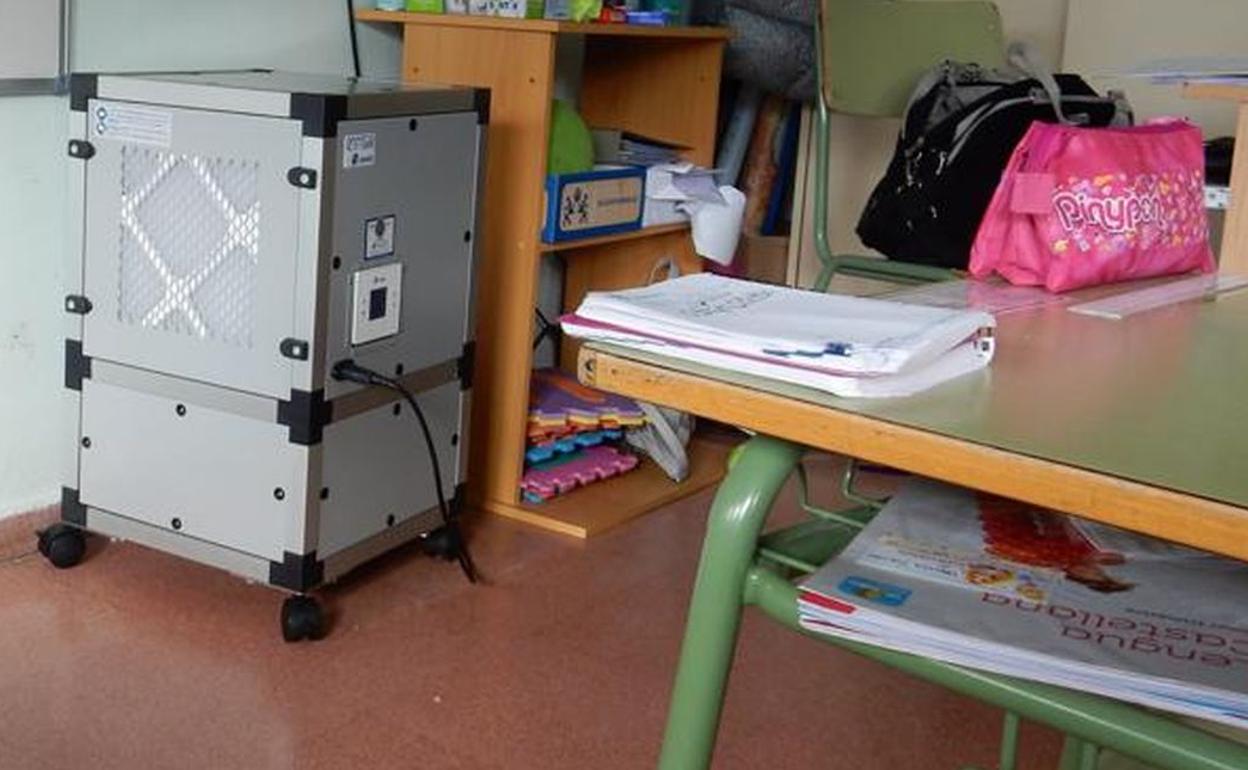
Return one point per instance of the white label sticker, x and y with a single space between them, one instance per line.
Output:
379 237
359 150
131 123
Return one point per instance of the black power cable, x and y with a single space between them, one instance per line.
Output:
353 372
355 43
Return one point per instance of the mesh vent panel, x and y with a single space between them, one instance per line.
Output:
189 244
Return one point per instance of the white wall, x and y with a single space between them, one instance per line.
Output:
32 194
307 35
1156 29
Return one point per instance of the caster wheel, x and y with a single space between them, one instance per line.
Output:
302 618
443 542
63 545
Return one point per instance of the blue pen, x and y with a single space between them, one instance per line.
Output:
842 349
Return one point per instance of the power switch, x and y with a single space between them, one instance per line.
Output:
375 309
376 303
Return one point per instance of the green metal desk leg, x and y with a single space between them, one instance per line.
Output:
735 522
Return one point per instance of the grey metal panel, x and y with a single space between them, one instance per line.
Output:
123 528
213 470
267 93
426 178
32 86
72 261
311 272
376 465
478 231
199 94
185 391
269 148
342 562
367 399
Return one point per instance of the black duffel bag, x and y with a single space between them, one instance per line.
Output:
959 130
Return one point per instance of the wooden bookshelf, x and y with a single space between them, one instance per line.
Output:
594 509
645 232
657 81
548 26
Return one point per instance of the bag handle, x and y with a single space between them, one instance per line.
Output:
1026 59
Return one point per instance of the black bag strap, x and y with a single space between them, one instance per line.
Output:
1027 60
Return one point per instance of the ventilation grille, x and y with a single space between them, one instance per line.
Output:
190 237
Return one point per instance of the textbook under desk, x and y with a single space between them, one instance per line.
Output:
1140 423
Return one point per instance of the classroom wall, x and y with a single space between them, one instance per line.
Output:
1140 30
308 35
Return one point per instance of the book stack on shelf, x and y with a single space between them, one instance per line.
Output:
574 436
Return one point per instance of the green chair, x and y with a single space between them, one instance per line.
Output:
742 567
871 54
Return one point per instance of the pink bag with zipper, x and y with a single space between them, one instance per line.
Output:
1084 206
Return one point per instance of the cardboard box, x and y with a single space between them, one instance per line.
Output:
764 257
515 9
597 202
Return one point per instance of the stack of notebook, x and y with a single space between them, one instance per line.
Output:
848 346
615 146
573 436
993 584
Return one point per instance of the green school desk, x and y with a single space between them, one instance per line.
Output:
1141 423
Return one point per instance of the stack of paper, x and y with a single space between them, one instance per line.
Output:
615 146
671 190
996 585
849 346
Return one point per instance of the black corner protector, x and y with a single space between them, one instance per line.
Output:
297 571
77 366
83 87
72 509
482 101
319 113
81 149
467 365
78 304
306 414
302 177
294 349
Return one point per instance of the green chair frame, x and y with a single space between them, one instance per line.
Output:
853 78
741 567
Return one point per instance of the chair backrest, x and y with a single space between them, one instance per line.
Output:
874 51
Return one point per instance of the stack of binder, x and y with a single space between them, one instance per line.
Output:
848 346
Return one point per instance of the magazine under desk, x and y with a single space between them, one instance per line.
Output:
1138 423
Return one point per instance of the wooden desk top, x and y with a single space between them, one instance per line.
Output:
1231 92
1141 423
543 25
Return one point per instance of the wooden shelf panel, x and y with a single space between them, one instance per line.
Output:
541 25
598 507
645 232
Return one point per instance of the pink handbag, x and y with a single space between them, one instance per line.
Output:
1085 206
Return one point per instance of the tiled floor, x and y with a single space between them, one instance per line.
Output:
136 659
